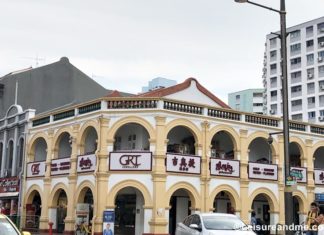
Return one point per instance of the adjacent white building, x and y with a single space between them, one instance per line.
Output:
305 51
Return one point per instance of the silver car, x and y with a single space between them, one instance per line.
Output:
212 223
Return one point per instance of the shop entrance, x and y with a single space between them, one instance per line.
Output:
296 210
180 204
33 210
61 211
129 212
223 203
261 207
84 209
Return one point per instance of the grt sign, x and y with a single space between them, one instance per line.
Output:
130 161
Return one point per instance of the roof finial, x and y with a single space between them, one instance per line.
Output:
16 93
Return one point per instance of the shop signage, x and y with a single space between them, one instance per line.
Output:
299 173
82 213
223 167
263 171
36 169
183 163
60 166
87 163
130 161
319 176
319 197
9 185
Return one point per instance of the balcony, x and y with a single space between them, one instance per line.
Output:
296 94
296 108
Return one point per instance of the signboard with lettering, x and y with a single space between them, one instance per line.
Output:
263 171
9 185
221 167
36 169
87 163
130 161
299 173
319 176
319 197
60 166
183 163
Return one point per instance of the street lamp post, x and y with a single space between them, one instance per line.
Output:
283 37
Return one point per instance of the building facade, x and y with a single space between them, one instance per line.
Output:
250 100
305 51
151 161
23 94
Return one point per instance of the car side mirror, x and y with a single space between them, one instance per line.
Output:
195 226
26 233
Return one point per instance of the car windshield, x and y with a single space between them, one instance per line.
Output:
6 228
222 223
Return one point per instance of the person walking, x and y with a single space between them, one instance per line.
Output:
310 220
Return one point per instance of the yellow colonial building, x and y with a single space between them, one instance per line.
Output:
143 163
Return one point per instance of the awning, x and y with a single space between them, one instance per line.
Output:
15 194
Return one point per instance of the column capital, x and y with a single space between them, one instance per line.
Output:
160 120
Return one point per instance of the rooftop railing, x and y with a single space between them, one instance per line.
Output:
136 103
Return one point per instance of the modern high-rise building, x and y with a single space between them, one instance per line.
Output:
249 100
305 52
158 83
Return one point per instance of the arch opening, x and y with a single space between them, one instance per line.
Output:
129 212
40 150
181 140
180 208
224 203
33 210
222 146
260 151
89 141
64 146
294 155
131 136
84 208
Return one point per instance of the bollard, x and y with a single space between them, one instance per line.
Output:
50 231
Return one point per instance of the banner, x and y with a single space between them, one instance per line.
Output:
108 222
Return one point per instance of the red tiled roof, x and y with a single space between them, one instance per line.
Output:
179 87
114 93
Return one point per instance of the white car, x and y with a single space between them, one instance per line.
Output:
212 224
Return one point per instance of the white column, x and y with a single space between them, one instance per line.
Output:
14 156
3 160
147 218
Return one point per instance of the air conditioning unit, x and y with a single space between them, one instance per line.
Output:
310 75
320 58
322 44
272 111
321 118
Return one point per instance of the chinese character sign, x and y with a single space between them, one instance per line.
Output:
183 163
87 163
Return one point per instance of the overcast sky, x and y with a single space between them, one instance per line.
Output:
123 44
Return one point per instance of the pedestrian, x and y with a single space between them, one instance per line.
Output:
310 220
320 221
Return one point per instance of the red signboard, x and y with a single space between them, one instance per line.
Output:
9 185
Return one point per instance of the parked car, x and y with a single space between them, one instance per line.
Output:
212 223
7 227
